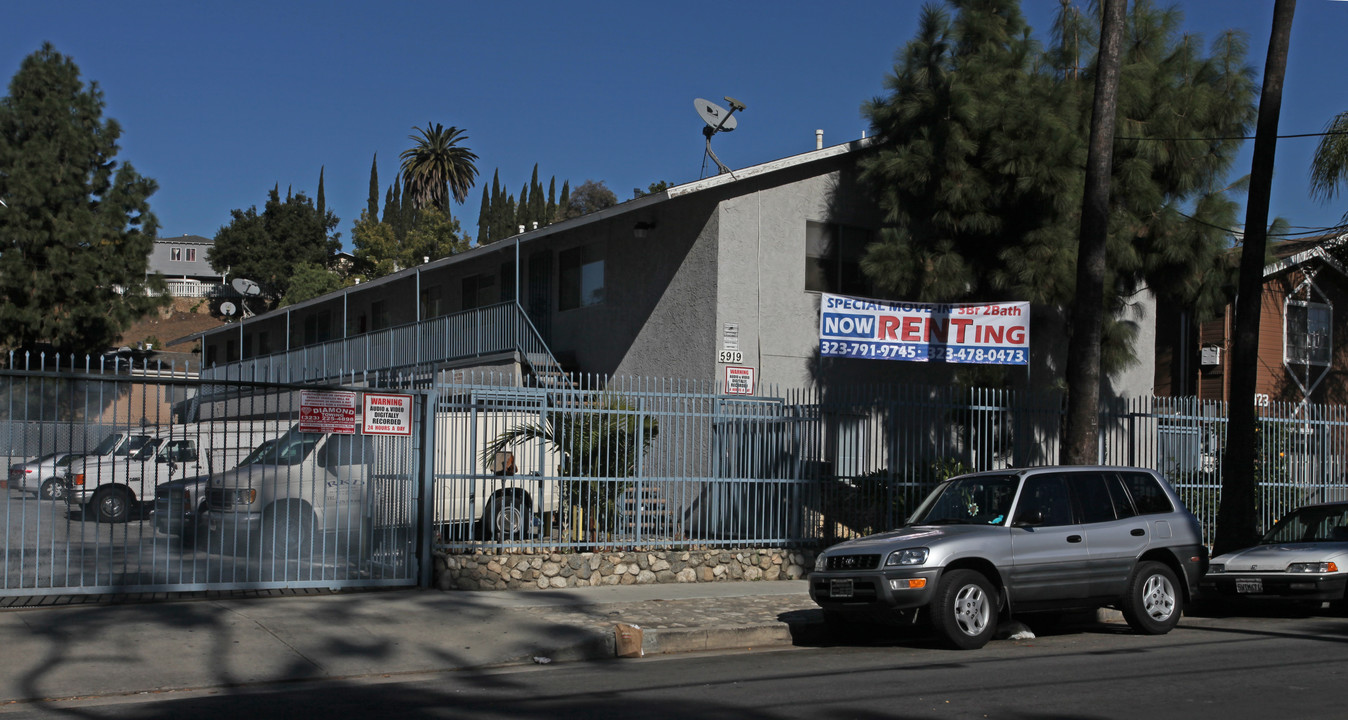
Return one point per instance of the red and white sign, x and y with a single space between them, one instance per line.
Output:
328 411
739 380
387 414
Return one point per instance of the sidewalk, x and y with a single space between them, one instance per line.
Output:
94 650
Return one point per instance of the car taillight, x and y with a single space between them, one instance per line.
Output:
79 478
187 498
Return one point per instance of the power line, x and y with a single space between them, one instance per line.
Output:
1242 137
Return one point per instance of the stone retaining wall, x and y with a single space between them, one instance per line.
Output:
480 571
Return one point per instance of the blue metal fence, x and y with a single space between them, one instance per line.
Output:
626 463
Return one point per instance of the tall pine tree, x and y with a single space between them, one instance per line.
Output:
980 161
372 203
77 228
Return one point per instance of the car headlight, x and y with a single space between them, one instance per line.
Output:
907 556
1313 567
820 563
1216 568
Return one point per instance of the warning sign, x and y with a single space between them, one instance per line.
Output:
328 411
387 414
739 380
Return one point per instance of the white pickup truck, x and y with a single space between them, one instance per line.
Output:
113 487
304 489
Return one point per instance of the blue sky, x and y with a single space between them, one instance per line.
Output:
220 101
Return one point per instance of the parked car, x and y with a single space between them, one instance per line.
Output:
983 546
45 476
179 506
1304 557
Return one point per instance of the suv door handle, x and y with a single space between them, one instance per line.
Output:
1074 538
1137 532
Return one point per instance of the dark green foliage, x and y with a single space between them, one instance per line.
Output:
78 230
563 201
484 219
651 189
372 203
980 161
319 201
310 281
382 249
267 247
590 197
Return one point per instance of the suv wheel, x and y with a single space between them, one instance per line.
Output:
1153 603
964 612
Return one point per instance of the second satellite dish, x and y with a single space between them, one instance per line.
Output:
227 308
714 115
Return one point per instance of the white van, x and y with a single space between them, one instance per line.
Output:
113 487
307 488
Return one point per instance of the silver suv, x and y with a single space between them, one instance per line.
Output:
1049 539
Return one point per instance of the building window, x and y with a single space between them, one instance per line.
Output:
833 258
479 291
176 254
581 276
432 302
508 281
1307 333
264 343
378 315
191 254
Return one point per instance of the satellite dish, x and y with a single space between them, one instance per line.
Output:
718 119
715 115
246 288
227 308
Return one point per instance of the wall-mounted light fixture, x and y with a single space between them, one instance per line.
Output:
642 229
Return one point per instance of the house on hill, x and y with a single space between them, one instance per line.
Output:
182 262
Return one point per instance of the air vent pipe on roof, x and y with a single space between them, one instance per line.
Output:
819 139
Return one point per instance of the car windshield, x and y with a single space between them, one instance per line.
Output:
289 449
971 500
1324 523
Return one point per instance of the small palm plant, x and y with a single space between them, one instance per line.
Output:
600 445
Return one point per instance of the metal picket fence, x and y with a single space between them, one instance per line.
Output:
630 463
118 473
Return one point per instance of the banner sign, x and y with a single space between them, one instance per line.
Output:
982 333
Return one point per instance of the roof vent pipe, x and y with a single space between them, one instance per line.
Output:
819 139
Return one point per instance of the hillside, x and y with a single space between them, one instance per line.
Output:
165 329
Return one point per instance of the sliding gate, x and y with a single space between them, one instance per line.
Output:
155 482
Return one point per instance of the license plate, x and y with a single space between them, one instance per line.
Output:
1251 585
840 588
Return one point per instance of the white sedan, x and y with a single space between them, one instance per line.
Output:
1304 557
45 475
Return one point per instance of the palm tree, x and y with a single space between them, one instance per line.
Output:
1329 167
436 167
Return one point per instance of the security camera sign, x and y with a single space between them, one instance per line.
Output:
983 333
387 414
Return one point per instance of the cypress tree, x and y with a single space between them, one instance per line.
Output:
319 202
563 201
522 210
483 219
551 212
372 203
